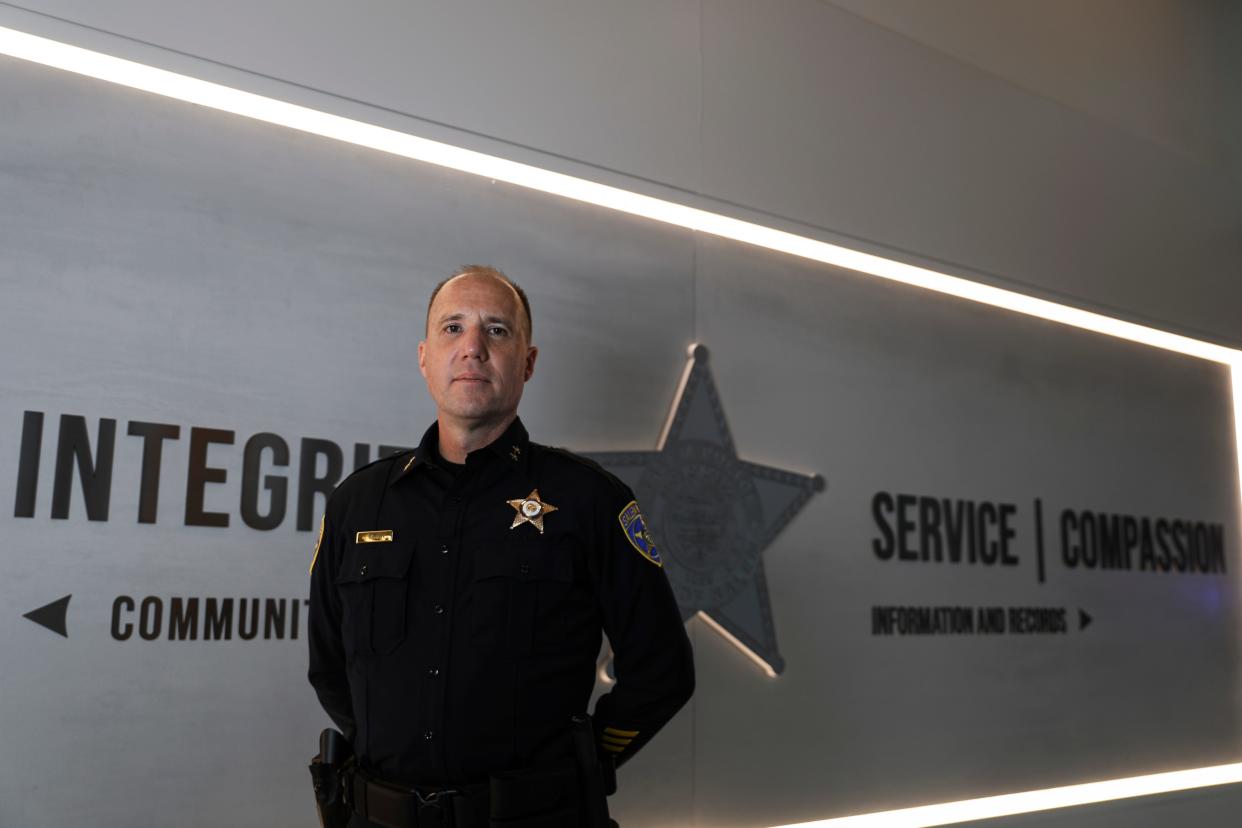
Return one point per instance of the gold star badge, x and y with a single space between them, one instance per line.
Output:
530 509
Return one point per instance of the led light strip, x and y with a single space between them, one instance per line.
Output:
258 107
1236 377
226 99
732 639
989 807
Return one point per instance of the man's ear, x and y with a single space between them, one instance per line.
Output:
531 353
422 358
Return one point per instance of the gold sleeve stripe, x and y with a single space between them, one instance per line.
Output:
616 740
613 748
612 731
315 557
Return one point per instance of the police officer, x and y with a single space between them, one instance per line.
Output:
459 591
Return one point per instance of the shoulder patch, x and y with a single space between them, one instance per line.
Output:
318 543
636 533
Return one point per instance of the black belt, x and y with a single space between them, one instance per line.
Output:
396 806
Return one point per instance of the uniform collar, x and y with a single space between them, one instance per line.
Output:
511 447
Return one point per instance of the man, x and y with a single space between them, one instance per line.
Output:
458 593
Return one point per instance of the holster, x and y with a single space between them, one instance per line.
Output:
326 769
569 795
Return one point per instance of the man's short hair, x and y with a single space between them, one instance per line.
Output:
483 270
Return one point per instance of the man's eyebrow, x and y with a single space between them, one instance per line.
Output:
488 318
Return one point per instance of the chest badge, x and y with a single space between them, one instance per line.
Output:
530 509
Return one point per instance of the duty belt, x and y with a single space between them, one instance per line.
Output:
394 806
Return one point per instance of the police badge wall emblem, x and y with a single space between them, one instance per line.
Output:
712 515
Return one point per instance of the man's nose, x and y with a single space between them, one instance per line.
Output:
476 344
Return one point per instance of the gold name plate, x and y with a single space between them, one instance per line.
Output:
374 536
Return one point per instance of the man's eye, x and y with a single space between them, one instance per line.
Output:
452 327
496 330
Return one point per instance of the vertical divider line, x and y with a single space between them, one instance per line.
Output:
1039 536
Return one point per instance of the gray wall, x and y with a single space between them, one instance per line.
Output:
1082 151
910 134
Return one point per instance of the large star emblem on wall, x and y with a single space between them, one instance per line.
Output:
712 514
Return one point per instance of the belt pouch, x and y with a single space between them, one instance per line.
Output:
537 798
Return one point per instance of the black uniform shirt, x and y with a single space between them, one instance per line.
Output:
449 643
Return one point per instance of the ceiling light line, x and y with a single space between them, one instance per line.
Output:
259 107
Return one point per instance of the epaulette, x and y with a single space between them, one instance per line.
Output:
589 463
389 458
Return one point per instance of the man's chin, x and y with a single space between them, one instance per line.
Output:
479 412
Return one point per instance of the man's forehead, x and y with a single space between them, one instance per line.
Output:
480 293
476 293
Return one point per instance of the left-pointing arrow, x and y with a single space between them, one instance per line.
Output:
51 615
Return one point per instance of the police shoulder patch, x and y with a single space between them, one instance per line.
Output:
318 543
636 533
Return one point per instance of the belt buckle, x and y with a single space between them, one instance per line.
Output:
439 801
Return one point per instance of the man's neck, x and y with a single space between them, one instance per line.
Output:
459 439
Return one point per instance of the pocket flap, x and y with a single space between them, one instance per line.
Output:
526 562
366 562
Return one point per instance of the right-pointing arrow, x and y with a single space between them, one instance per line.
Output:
1083 620
51 615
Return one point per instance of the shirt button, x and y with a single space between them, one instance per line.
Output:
429 735
433 671
362 570
437 609
524 569
443 550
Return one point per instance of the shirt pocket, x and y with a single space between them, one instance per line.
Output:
374 587
520 593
